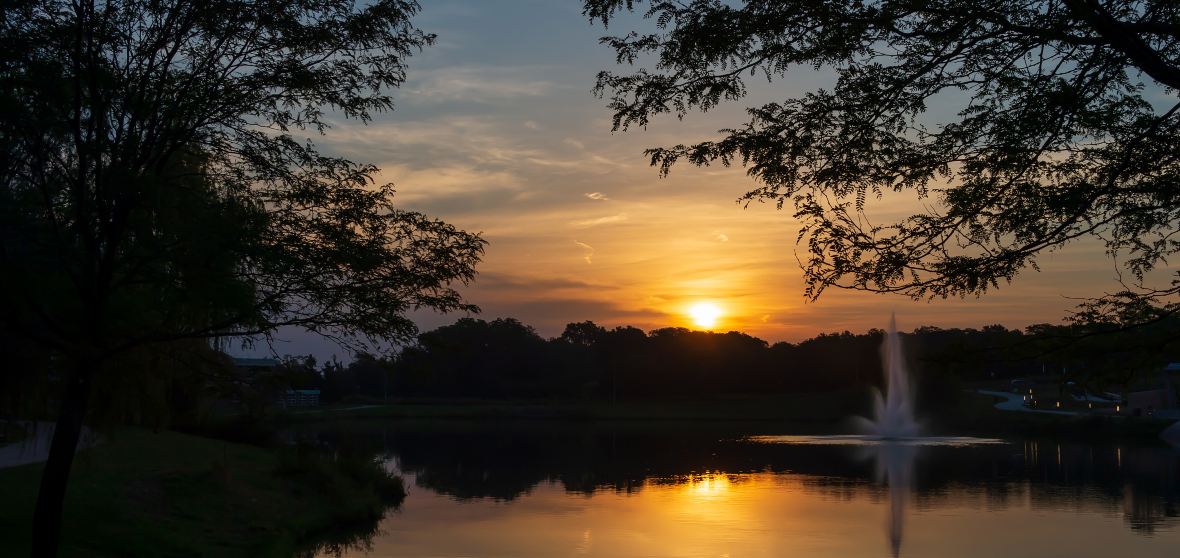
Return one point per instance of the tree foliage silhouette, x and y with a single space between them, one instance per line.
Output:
1062 123
154 189
504 359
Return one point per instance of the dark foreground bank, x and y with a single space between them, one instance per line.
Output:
168 494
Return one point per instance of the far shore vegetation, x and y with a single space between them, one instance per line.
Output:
506 360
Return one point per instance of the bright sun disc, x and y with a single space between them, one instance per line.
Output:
704 314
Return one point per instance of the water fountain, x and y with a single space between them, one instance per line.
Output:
892 438
893 412
894 422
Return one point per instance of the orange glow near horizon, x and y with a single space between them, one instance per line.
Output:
582 228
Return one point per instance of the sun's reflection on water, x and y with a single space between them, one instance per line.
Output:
709 486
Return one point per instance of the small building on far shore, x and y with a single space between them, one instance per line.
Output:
1162 401
300 398
255 364
1145 402
288 399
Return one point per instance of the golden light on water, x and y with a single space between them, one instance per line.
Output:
704 314
753 514
708 485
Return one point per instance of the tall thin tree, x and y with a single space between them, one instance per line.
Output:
152 188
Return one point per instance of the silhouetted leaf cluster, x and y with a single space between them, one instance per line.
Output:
1016 127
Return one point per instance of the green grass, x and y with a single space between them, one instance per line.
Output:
168 494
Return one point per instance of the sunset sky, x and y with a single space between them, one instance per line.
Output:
497 131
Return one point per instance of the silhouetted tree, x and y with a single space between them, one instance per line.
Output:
502 358
300 372
160 384
625 360
583 334
151 189
367 377
1021 126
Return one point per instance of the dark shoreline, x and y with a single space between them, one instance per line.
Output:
797 414
143 493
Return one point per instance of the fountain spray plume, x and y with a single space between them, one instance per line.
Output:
893 423
893 412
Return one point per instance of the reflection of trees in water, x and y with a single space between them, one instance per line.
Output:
504 461
1145 512
1142 506
1140 482
349 538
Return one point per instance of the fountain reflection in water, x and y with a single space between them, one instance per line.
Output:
893 423
895 468
892 437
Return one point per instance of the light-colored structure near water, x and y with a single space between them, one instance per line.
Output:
289 399
255 364
1163 402
300 398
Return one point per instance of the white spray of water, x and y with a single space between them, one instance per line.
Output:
893 412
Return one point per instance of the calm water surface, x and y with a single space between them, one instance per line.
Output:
552 490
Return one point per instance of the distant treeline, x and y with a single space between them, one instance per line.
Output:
506 359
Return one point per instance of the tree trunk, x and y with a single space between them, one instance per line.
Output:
56 474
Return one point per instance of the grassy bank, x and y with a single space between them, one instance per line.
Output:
168 494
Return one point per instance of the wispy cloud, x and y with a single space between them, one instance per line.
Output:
587 223
587 251
596 196
478 84
526 286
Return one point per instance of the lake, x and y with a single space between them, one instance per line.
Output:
520 489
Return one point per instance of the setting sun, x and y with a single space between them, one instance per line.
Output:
705 314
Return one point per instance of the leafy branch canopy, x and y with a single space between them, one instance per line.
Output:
150 172
1066 125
